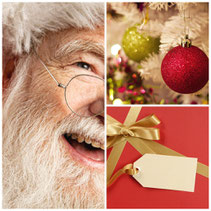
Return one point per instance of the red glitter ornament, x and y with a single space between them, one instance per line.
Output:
185 69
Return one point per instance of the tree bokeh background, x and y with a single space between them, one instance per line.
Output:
137 79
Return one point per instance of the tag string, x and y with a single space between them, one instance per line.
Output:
127 169
145 19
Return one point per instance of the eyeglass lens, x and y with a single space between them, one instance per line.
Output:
84 95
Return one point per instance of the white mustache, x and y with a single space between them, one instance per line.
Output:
90 127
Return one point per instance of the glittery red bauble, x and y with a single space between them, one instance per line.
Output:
185 70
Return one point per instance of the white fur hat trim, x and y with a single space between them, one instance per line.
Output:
24 24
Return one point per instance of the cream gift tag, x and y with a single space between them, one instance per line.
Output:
166 172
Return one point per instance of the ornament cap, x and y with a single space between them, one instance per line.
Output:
186 42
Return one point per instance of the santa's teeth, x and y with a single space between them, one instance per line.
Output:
80 139
102 146
88 140
96 144
74 136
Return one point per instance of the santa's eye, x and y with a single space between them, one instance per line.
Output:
83 65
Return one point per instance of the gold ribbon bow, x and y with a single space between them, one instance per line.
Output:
141 129
141 136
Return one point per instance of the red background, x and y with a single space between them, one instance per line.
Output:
184 129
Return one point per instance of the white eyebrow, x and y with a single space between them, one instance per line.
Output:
81 46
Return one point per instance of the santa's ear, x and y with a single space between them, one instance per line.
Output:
9 64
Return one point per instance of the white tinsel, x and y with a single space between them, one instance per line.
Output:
128 10
152 71
161 5
173 31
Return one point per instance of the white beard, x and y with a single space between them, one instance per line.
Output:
37 170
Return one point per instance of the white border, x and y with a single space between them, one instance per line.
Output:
105 68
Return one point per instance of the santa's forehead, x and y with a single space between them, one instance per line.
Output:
70 40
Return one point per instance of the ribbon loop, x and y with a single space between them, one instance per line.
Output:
127 169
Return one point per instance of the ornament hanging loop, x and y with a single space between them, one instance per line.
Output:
145 19
186 42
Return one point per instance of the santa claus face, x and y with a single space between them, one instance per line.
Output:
54 136
76 59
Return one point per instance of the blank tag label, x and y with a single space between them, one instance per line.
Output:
166 172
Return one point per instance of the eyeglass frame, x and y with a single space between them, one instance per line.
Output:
64 87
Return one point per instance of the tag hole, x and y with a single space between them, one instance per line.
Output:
138 170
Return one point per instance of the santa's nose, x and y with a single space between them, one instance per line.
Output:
85 95
97 107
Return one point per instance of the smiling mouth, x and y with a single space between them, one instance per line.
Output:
86 148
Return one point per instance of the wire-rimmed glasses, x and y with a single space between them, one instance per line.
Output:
82 93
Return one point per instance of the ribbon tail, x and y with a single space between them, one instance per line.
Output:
114 158
111 141
127 169
111 119
203 169
141 145
132 115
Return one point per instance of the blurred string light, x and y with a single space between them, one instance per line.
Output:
111 94
117 101
115 49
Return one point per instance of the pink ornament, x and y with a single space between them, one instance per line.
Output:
129 91
121 89
142 90
135 93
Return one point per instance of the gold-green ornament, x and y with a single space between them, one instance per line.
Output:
138 46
